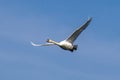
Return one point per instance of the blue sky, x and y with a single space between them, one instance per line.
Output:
22 21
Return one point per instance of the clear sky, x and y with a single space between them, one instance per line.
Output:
22 21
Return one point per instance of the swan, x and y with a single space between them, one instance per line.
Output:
67 44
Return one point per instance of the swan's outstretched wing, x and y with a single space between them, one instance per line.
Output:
47 44
73 37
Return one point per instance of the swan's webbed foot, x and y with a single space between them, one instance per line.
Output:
75 47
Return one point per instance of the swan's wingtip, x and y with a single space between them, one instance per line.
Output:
89 18
33 44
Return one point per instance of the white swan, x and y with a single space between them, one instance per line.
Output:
67 44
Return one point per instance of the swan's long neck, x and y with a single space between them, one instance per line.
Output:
54 42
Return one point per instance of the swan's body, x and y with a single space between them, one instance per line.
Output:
67 44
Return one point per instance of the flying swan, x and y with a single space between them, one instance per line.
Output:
67 44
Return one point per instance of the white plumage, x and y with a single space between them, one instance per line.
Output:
67 44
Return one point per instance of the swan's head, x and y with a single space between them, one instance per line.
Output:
49 40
